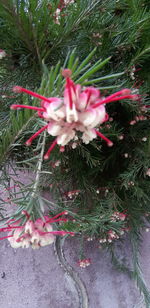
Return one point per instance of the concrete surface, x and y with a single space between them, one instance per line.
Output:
32 278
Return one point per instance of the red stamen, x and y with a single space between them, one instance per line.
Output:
68 84
27 107
40 114
16 227
109 142
13 221
4 229
9 188
7 229
106 117
56 216
20 89
60 214
109 99
46 156
122 92
29 141
24 212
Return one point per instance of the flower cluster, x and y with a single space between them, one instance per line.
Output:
74 116
111 235
84 263
137 119
33 234
71 194
62 5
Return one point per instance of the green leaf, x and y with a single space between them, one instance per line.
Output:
92 70
103 78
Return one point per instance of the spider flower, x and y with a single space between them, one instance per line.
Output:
33 234
75 115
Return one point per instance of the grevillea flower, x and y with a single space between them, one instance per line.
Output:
33 234
75 115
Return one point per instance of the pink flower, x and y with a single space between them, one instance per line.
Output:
75 115
33 234
112 235
84 262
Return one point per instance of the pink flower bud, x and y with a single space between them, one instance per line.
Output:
17 89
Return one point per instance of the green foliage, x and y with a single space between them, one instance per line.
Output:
51 85
31 29
101 42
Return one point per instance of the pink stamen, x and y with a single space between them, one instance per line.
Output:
7 229
22 237
46 156
20 89
109 99
27 107
109 142
9 188
4 237
29 141
57 232
56 216
11 220
68 84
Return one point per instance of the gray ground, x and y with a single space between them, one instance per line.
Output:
32 278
